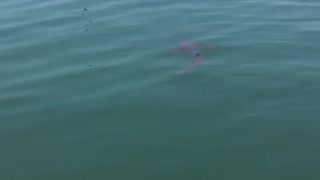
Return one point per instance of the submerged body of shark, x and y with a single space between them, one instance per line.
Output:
192 48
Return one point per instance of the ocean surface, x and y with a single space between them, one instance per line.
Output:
89 91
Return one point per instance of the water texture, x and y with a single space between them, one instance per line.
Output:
88 90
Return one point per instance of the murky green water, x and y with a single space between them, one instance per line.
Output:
95 95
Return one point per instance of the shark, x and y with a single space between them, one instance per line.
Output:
192 48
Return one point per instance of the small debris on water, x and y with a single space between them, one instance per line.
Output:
85 9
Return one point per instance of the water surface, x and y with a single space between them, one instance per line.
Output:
94 95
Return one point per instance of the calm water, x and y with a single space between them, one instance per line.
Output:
94 94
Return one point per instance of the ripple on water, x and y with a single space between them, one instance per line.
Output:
63 87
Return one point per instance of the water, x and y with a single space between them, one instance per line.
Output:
94 95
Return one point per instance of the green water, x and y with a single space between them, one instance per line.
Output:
94 94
